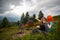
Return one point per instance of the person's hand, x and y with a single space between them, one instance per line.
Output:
38 27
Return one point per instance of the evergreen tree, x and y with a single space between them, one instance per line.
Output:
33 18
5 22
40 15
18 22
22 17
27 17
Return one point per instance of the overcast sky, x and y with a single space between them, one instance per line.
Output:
14 8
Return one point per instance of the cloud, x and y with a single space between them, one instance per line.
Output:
5 4
48 7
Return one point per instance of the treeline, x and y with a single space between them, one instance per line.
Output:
5 23
24 19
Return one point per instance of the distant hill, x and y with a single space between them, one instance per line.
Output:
1 18
15 19
11 19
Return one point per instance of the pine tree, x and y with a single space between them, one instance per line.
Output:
22 17
27 17
33 18
5 22
40 15
18 22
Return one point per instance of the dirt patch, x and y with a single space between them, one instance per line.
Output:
19 34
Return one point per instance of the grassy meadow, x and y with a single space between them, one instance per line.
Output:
9 33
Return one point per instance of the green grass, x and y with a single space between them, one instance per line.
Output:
8 32
54 35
